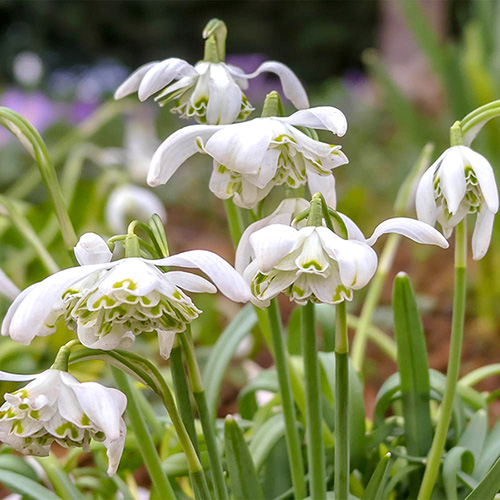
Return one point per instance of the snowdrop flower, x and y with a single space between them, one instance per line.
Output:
314 263
210 92
55 407
460 182
109 303
250 158
129 202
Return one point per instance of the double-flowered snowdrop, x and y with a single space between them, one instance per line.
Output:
460 182
314 263
210 92
250 158
109 303
55 407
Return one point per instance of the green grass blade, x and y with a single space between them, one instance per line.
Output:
378 481
23 485
489 486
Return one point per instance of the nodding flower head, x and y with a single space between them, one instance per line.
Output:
460 182
55 407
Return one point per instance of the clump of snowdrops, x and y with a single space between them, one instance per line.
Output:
301 429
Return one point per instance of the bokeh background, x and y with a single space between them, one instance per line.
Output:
401 71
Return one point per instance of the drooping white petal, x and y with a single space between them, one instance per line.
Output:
272 243
485 177
224 276
26 316
292 88
424 198
131 84
190 282
7 287
130 202
175 150
241 147
284 213
278 284
321 117
414 229
92 249
353 231
115 449
103 405
14 377
324 184
162 74
452 177
224 103
166 342
482 233
115 339
324 288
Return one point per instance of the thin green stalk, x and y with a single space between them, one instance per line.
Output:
182 394
457 328
341 473
144 440
234 221
315 447
24 227
475 376
292 434
204 414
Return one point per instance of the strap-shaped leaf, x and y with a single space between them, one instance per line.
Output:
242 474
489 486
474 436
266 438
23 485
378 481
413 367
489 454
456 460
222 352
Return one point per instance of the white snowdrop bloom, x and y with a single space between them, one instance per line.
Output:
109 303
129 202
250 158
460 182
209 92
314 263
55 407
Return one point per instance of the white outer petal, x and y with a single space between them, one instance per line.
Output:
131 84
224 102
284 213
30 309
190 282
485 177
92 249
166 342
292 88
414 229
321 117
241 147
162 74
14 377
324 184
224 276
425 202
482 233
452 177
272 243
7 287
175 150
353 231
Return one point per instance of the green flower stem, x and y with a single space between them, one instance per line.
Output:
474 377
204 414
144 440
287 403
234 221
341 473
182 394
24 227
62 358
457 328
34 144
315 447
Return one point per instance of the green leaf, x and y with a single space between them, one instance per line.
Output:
378 481
242 474
176 465
475 434
17 483
266 438
489 486
398 476
222 352
18 465
456 460
60 481
264 381
413 368
489 453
